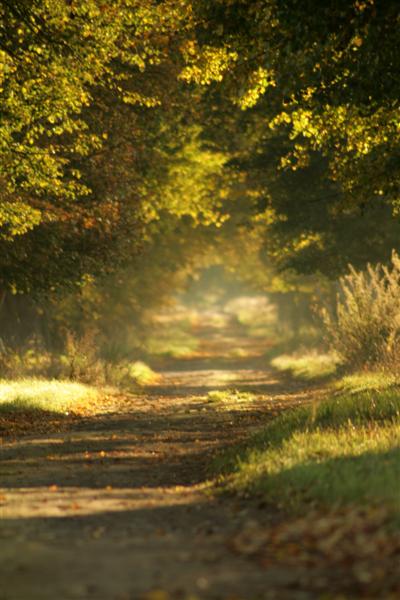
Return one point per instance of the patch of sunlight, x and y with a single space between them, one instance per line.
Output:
332 466
172 341
218 378
211 318
261 331
65 501
42 394
252 310
142 373
342 450
364 381
308 365
239 353
230 396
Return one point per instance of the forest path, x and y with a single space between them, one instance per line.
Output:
115 507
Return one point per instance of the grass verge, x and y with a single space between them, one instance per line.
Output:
307 366
44 395
344 450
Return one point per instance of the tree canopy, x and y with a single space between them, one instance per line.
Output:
278 118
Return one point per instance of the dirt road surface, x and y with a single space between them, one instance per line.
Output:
116 507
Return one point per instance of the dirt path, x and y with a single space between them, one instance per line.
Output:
115 508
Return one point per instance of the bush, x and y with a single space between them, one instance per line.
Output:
80 362
365 327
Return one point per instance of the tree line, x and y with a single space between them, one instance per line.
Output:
140 139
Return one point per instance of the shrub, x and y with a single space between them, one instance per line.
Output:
365 327
81 361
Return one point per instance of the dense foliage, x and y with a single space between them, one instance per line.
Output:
142 138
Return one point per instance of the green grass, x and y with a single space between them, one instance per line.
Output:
231 397
171 341
360 382
41 394
343 450
308 365
142 374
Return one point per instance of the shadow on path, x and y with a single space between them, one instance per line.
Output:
114 507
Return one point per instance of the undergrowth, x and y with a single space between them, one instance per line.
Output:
79 362
364 326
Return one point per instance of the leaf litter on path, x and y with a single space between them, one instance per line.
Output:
139 521
351 551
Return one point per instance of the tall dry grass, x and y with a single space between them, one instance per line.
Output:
364 327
